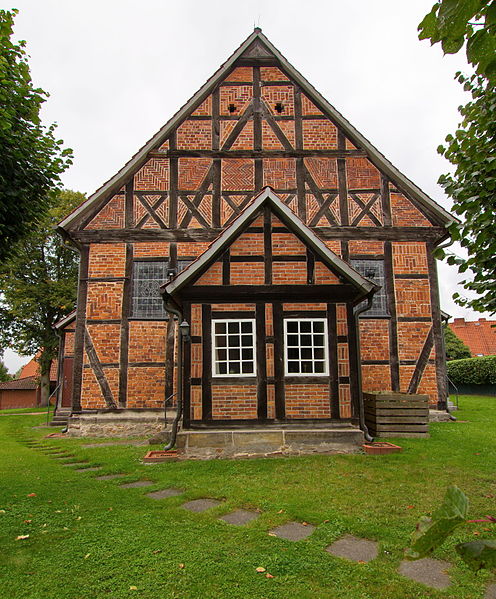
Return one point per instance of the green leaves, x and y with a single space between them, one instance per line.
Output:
432 532
454 22
478 554
32 158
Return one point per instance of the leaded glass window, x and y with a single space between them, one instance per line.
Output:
374 271
147 277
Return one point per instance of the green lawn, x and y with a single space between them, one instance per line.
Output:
90 539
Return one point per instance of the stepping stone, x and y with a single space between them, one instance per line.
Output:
164 493
92 469
239 517
293 531
200 505
428 571
136 484
354 549
109 476
72 464
490 592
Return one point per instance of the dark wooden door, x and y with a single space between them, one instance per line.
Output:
67 369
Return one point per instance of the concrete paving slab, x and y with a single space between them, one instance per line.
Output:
293 531
92 469
72 464
240 517
428 571
136 484
164 493
109 476
354 549
490 592
200 505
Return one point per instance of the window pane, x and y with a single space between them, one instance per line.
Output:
306 340
246 327
233 341
292 327
221 354
373 270
293 353
221 341
234 368
305 327
318 327
246 340
306 367
306 353
221 368
233 327
319 367
318 353
318 340
293 366
247 367
220 327
292 340
247 354
234 354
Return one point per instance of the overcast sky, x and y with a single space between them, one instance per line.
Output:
117 70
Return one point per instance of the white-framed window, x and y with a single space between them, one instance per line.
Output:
233 347
305 347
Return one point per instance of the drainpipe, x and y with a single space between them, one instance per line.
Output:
361 410
183 335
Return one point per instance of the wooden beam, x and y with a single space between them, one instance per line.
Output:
261 360
280 407
80 328
437 330
333 361
126 309
393 324
207 362
225 152
98 371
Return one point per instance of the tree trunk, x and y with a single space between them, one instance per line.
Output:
45 365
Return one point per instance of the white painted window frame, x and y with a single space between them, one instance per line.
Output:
253 347
325 347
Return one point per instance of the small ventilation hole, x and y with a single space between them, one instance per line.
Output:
279 107
232 108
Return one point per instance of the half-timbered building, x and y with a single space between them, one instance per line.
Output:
298 259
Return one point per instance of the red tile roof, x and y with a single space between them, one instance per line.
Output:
24 383
479 336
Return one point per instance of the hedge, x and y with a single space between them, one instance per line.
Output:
473 371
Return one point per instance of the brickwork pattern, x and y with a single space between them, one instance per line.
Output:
307 401
234 401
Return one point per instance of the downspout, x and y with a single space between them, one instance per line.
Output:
361 410
175 311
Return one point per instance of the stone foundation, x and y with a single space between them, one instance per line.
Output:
116 423
221 443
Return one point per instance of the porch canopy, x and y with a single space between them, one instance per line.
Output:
350 286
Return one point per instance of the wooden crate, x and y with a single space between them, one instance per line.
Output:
396 414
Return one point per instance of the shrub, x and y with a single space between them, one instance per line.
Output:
473 371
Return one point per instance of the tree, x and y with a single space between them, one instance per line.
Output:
31 158
454 346
472 149
454 22
4 373
38 287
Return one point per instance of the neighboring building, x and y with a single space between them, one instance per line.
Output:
479 336
282 221
24 392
